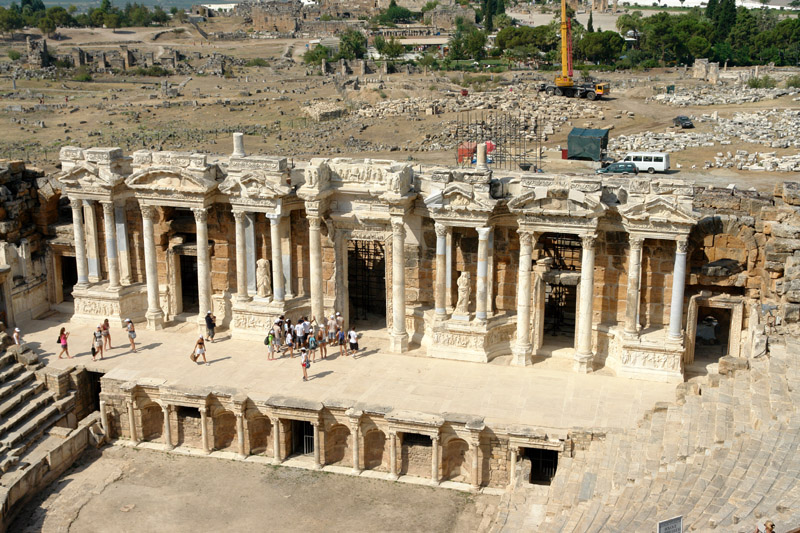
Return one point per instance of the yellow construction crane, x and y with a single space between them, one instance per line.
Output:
564 85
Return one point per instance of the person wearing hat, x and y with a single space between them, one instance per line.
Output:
199 349
211 323
131 333
97 342
332 329
17 336
304 363
339 321
769 527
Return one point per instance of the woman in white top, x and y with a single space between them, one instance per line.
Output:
131 333
17 336
98 341
353 338
199 350
304 363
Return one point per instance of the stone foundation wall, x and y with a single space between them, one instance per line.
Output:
415 460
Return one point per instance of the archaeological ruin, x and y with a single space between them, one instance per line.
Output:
641 280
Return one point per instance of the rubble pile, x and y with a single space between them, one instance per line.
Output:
719 95
321 111
663 142
744 160
774 128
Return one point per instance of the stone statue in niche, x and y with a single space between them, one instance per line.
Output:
263 278
462 305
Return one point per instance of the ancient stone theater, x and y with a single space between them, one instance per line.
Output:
641 280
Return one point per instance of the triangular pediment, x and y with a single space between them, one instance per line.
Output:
253 185
170 180
658 211
86 176
461 196
560 201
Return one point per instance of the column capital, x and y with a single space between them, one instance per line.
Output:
314 222
435 438
399 227
588 240
237 215
315 423
682 245
148 212
483 232
441 229
75 203
200 214
165 406
526 237
108 207
238 415
636 241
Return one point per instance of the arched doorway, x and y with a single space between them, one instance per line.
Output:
337 447
455 461
152 422
259 431
374 450
224 425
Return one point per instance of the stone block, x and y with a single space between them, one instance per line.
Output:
729 364
23 354
791 312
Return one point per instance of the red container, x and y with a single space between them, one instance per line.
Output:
563 153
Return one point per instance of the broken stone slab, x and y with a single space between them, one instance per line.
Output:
415 417
23 354
294 403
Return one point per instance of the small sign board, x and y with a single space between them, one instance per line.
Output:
673 525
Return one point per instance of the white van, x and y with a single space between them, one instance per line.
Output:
649 161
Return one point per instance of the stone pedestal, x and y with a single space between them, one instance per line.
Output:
476 341
652 356
96 303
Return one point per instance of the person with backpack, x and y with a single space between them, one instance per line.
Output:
97 342
269 341
312 347
304 363
340 340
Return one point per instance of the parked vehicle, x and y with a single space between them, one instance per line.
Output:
649 161
683 122
618 168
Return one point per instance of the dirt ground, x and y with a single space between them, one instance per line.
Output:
128 489
267 103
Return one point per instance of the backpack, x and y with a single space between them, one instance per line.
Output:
266 340
312 343
58 341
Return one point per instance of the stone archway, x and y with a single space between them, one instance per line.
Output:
455 461
152 422
375 456
259 433
337 446
224 424
724 301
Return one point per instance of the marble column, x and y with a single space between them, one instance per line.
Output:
276 440
278 287
512 467
104 417
537 304
166 408
448 276
583 353
92 242
398 339
315 268
440 296
80 242
154 315
203 263
242 294
490 275
250 240
132 422
522 346
393 455
317 462
435 459
286 248
356 433
204 429
634 282
678 285
240 434
481 284
475 475
123 249
111 246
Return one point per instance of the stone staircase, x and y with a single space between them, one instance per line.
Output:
27 411
723 456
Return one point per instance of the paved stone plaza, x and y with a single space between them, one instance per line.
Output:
547 395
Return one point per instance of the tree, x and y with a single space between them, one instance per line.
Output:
159 15
590 24
427 61
602 47
394 48
314 56
502 21
794 3
9 20
352 45
111 20
47 26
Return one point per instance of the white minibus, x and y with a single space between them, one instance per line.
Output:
649 161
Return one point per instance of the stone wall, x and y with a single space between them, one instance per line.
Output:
415 459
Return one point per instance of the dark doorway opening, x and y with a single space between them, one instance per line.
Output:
713 331
94 390
366 280
69 276
543 465
191 300
564 249
302 437
559 310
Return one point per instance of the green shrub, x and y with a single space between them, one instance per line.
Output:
155 71
764 82
13 55
82 74
257 62
793 81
